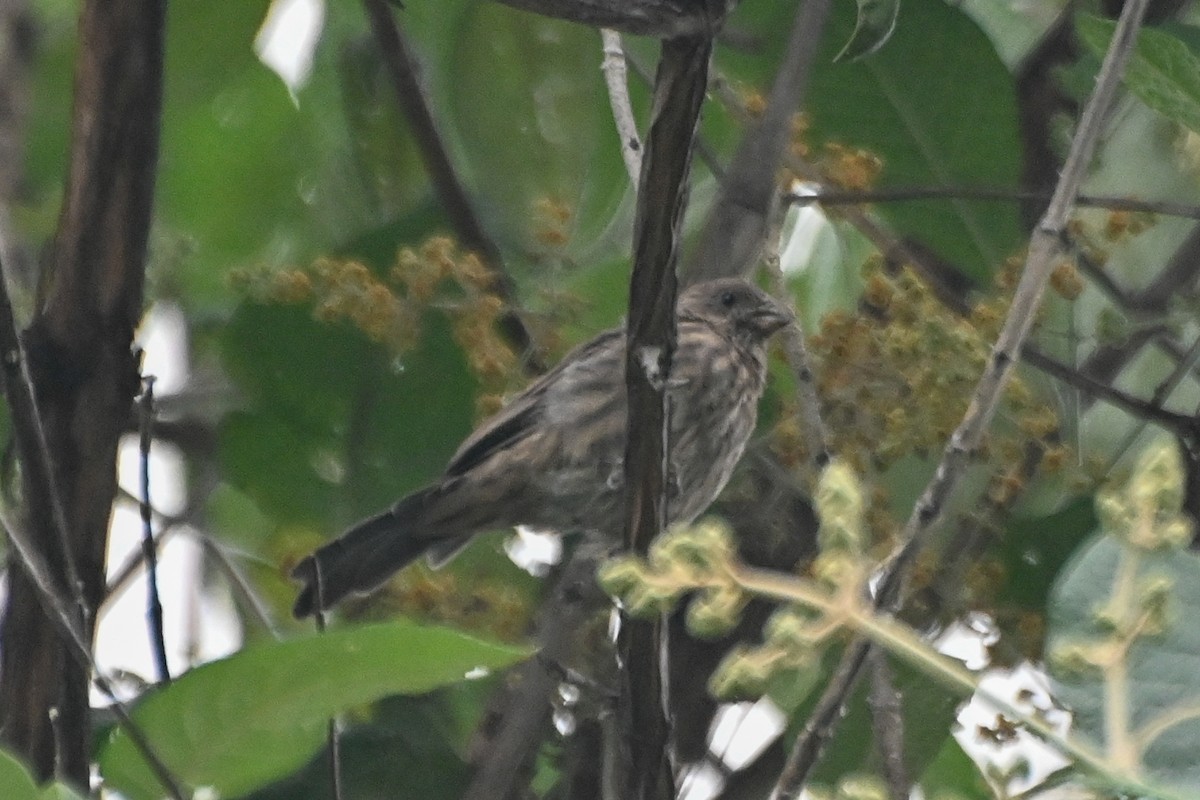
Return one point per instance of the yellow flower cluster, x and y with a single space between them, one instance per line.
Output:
895 376
389 309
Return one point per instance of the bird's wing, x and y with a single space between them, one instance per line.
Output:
521 416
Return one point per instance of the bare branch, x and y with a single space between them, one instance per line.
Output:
83 371
887 725
403 69
680 87
149 547
900 194
615 79
736 228
1044 247
59 612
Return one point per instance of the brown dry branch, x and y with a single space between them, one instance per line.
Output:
680 86
84 376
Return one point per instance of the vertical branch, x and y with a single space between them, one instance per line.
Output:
83 372
149 547
662 195
887 724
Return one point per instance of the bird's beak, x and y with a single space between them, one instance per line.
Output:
772 318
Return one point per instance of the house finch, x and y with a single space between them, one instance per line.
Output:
552 458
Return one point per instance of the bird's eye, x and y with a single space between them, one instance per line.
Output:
728 299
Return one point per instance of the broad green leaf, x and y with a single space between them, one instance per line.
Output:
1164 72
935 103
1155 685
525 103
334 427
953 774
406 749
240 722
17 784
1033 550
876 21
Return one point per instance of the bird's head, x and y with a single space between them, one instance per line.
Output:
735 307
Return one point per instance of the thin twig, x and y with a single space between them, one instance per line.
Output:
332 734
58 610
402 68
154 611
901 194
1170 420
238 582
1044 247
616 79
812 428
1158 398
1179 275
334 738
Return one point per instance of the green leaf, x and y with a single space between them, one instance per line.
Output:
525 103
1164 72
936 104
952 773
17 784
405 750
1156 683
876 21
334 427
238 723
1033 550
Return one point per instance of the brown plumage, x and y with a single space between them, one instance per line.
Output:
552 457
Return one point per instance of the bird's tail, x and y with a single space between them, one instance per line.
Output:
366 555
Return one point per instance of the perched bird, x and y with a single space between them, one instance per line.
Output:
552 458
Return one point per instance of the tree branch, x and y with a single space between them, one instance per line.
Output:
1044 247
901 194
663 19
613 67
736 227
680 87
402 68
83 371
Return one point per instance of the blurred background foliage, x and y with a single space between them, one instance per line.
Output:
342 342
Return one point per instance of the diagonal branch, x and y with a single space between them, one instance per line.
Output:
1043 249
617 83
402 68
736 228
60 612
